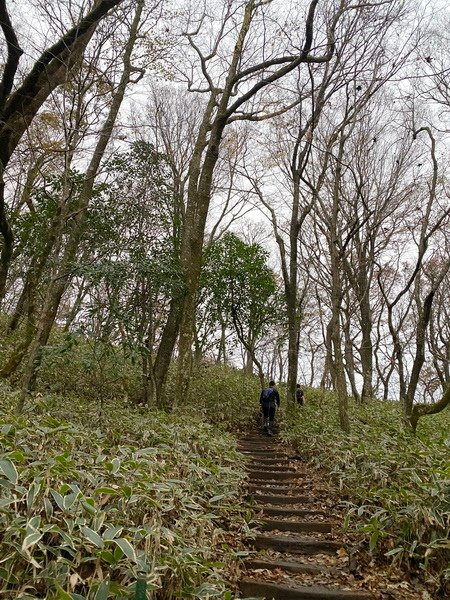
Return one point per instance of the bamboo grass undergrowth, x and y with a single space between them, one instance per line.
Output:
396 484
88 505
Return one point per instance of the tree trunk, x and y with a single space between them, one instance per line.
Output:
366 348
338 363
8 238
336 296
327 367
199 197
421 410
349 359
165 348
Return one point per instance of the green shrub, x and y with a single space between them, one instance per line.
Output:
224 395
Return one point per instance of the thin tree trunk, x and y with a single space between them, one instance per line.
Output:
366 347
336 296
349 359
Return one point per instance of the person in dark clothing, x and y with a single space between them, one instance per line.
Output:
269 401
299 395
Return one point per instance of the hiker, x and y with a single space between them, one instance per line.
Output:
299 395
269 401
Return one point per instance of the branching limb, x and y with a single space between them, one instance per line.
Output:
14 54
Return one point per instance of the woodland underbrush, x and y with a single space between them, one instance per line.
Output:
93 502
99 373
397 485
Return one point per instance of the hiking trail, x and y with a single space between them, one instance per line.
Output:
300 554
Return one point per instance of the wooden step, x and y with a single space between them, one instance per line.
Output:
258 453
286 511
259 466
277 591
294 526
271 487
289 566
265 451
277 499
262 460
280 475
261 441
295 545
276 489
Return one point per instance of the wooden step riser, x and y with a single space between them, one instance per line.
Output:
289 567
295 545
276 475
270 487
269 499
294 526
268 460
255 589
266 453
286 511
257 465
261 443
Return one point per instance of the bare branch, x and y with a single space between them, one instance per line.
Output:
14 54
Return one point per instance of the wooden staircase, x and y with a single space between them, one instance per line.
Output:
293 536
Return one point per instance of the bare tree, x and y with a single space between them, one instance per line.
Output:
231 96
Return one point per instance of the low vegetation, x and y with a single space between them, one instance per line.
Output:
91 504
98 491
397 485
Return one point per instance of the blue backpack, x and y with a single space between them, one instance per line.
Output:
268 396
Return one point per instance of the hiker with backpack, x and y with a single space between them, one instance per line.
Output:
269 401
299 395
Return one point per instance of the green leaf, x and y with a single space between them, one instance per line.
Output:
32 491
48 507
62 594
110 533
126 548
89 507
108 557
58 499
373 540
103 591
9 470
34 522
115 465
69 500
106 490
394 551
31 539
92 536
6 502
217 498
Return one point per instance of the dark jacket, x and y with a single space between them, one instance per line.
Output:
269 395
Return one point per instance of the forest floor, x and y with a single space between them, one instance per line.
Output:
300 548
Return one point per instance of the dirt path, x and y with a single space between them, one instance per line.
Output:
300 553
